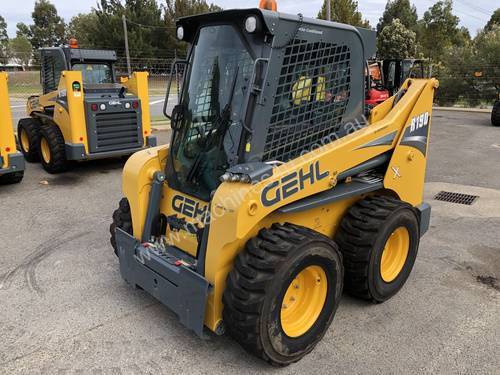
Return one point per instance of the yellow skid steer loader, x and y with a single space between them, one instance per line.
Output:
84 113
11 161
276 193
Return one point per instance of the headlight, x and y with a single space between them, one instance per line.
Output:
127 105
251 24
103 107
180 33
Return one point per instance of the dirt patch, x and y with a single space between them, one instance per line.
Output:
489 281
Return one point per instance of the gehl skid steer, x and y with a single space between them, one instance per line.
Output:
275 192
83 113
11 161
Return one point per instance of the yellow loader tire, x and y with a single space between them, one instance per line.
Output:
122 218
283 292
379 239
28 134
52 150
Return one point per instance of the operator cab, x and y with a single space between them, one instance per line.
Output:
255 94
97 66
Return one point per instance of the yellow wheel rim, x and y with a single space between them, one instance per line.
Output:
395 254
25 142
45 150
304 301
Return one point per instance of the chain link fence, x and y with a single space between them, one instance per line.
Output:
460 87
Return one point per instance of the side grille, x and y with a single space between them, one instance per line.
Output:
119 130
311 99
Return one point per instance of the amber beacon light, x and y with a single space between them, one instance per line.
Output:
269 5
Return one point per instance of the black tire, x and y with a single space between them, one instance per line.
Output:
55 140
122 218
31 128
11 178
495 114
362 237
257 284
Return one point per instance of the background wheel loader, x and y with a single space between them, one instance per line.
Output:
83 113
11 161
275 192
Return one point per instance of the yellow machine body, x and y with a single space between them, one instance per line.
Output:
72 120
236 210
7 138
10 159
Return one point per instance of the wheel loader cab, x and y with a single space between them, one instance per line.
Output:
84 113
275 189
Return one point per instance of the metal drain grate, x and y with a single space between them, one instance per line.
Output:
458 198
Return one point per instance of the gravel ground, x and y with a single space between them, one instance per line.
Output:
65 309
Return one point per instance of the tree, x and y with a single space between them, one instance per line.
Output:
401 9
48 28
344 11
396 41
175 9
23 30
488 54
494 20
83 27
21 51
144 26
439 29
4 42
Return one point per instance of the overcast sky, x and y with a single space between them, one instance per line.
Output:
473 14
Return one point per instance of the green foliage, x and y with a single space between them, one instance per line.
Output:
23 30
396 41
83 28
22 50
143 41
401 9
344 11
439 29
488 54
4 42
494 20
48 29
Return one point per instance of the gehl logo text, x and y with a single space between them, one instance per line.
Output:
190 208
291 184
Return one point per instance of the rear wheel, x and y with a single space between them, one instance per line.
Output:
52 150
495 115
122 218
379 239
28 133
11 178
283 292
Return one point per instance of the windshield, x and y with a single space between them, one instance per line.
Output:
95 73
219 71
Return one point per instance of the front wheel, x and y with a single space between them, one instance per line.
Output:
122 218
283 292
52 150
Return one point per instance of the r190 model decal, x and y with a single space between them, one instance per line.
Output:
417 133
291 184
